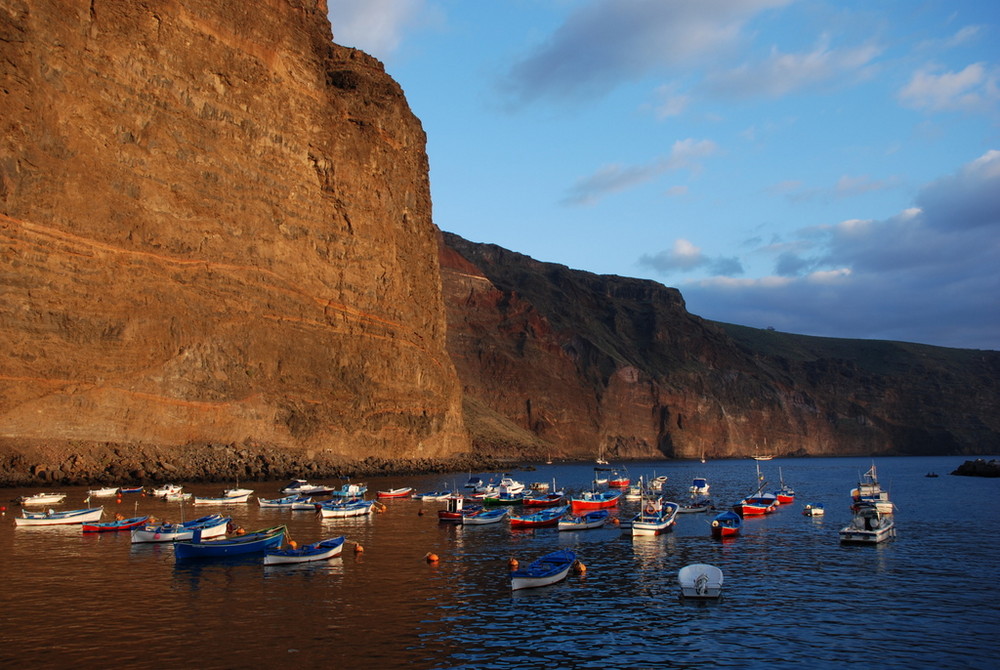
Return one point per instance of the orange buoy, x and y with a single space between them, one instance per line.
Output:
512 563
293 544
431 557
358 549
119 501
615 521
579 568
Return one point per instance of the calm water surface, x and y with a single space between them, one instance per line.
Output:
794 597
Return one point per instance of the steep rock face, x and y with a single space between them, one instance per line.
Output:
615 366
215 227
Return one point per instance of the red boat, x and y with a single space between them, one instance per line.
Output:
619 480
589 500
546 518
116 525
543 500
726 524
757 504
396 493
457 510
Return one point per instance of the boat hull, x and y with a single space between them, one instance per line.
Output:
590 520
252 543
225 500
320 551
70 518
548 569
115 526
346 511
213 526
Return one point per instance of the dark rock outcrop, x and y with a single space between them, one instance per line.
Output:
979 468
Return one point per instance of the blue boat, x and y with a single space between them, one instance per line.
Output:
211 525
318 551
548 569
726 524
285 503
256 542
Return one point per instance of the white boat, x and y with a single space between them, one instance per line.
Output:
587 521
869 526
700 580
870 491
343 510
282 503
307 505
178 497
303 488
656 517
548 569
54 518
510 486
43 499
813 509
699 485
224 500
350 491
237 493
318 551
167 489
656 484
213 525
485 516
106 492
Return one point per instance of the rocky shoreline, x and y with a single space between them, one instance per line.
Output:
110 464
979 468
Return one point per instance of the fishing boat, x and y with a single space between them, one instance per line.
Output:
54 518
869 526
726 524
237 493
699 486
308 505
618 480
317 551
657 483
223 500
510 486
696 505
813 509
433 496
396 493
869 490
588 520
116 525
346 509
700 580
759 502
178 497
350 491
106 492
544 518
282 503
484 517
601 476
546 570
211 525
589 500
785 493
256 542
544 499
635 491
43 499
304 488
654 518
131 489
167 489
456 510
475 483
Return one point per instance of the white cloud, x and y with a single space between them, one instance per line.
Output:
973 89
376 26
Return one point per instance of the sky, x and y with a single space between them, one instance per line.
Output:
825 168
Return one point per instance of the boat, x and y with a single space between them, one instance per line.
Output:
317 551
106 492
211 525
396 493
655 517
350 491
696 504
178 497
635 491
456 510
304 488
699 485
589 500
759 502
726 524
433 496
496 499
869 526
700 580
131 489
618 480
308 505
167 489
813 509
510 486
346 509
601 476
116 525
54 518
485 516
256 542
224 500
237 493
474 483
539 487
283 503
547 517
785 493
588 520
869 490
43 499
931 474
544 499
546 570
656 484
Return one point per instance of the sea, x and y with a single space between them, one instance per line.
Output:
793 595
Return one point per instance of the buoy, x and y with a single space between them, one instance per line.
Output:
420 512
431 557
119 501
293 544
358 549
512 563
615 521
579 568
3 508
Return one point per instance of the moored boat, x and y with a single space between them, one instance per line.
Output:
726 524
346 509
596 518
131 489
54 518
106 492
211 525
619 479
869 526
544 571
456 510
317 551
699 486
785 493
237 493
870 491
700 580
589 500
547 517
403 492
304 488
657 483
256 542
224 500
43 499
282 503
167 489
655 517
544 499
510 486
813 509
696 505
116 525
485 517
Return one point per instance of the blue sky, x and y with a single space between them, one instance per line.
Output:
824 168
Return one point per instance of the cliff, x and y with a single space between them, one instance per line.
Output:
571 364
216 229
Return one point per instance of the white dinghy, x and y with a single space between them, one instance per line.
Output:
700 580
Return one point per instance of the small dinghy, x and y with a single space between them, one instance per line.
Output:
548 569
592 519
485 517
54 518
256 542
700 580
318 551
43 499
813 509
116 525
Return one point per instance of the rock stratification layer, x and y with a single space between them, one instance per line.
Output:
215 227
